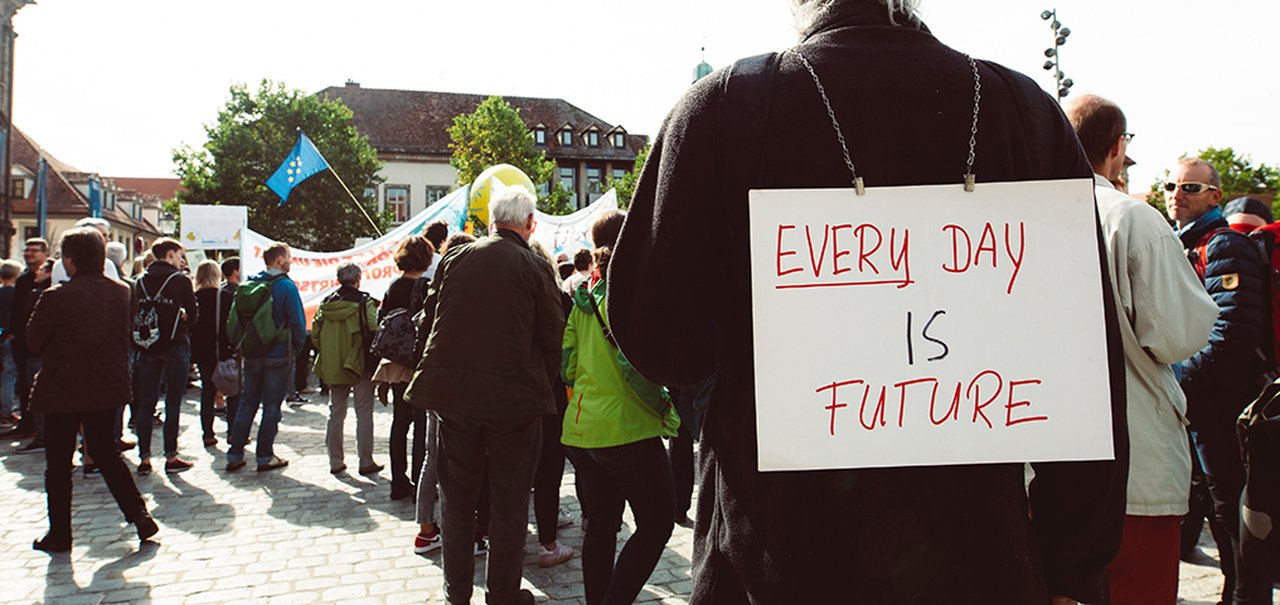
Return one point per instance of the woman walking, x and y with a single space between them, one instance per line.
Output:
613 429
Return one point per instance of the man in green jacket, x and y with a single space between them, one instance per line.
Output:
341 332
495 323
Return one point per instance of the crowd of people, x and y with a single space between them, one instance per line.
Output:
500 363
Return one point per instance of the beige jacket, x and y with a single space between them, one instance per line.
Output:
1165 318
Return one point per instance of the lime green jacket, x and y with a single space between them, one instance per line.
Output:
340 340
612 404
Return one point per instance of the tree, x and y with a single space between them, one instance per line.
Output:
495 134
252 134
625 186
1240 177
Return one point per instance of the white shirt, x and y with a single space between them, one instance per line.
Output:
60 272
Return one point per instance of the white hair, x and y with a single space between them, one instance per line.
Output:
807 12
511 207
100 224
116 253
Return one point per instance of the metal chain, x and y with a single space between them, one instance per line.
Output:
973 132
848 161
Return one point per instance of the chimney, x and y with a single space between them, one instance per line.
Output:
352 83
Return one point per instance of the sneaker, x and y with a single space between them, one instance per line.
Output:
400 492
10 420
273 464
423 543
235 466
372 469
36 446
548 557
482 547
146 527
338 470
91 470
210 441
125 445
144 467
176 465
52 544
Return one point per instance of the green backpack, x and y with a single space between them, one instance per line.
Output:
251 325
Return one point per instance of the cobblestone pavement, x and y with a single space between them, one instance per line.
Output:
299 535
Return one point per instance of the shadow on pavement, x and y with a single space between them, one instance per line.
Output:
185 508
61 587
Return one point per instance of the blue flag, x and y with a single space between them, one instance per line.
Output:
42 198
95 198
304 161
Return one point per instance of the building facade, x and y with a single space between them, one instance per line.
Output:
409 130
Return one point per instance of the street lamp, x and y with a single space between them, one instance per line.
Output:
168 224
1054 55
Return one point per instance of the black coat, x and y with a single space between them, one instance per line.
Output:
496 330
959 534
211 322
81 329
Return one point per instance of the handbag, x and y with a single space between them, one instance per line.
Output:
226 374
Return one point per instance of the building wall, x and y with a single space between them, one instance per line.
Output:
24 225
420 176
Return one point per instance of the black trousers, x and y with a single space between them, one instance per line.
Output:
546 485
60 444
682 466
510 448
1219 450
403 417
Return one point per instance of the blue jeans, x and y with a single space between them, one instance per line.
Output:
265 383
8 380
173 364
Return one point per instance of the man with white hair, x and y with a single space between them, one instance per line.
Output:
905 105
108 269
495 325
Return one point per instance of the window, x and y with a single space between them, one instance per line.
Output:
18 188
543 190
398 202
435 194
569 179
566 137
619 173
593 139
619 140
539 136
30 232
594 185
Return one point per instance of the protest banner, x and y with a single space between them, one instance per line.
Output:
922 326
207 227
572 231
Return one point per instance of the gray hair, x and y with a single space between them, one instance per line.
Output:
10 269
511 207
116 253
100 224
349 273
808 12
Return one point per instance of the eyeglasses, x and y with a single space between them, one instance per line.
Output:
1128 136
1189 188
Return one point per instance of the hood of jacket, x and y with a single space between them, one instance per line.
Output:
584 294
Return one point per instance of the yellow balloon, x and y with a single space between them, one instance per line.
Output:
508 175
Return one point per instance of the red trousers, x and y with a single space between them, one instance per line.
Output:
1145 572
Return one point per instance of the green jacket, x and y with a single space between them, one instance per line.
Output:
341 339
611 404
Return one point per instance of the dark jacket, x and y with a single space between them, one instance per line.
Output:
957 534
211 323
23 301
81 328
496 325
178 292
1223 377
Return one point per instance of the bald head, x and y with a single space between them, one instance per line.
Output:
1100 126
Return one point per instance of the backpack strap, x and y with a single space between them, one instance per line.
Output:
595 308
744 108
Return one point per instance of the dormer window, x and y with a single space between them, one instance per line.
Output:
539 136
566 137
619 140
593 139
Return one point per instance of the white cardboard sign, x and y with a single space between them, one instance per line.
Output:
207 227
925 326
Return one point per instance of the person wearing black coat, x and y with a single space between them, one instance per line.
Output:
954 534
80 329
1223 377
210 343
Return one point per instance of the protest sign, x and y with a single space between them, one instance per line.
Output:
207 227
921 326
569 232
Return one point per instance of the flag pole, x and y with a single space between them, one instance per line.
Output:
356 202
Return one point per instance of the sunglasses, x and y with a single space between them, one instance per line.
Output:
1189 188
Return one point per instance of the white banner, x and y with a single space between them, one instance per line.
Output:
316 272
207 227
572 231
921 326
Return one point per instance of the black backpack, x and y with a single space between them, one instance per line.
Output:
397 335
155 323
1259 432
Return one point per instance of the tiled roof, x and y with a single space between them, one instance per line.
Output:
63 198
417 122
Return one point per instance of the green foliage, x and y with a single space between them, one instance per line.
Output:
252 134
1239 175
494 134
626 186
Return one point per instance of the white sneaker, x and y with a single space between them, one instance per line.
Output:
423 544
554 556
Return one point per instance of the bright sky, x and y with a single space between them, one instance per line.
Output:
113 86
